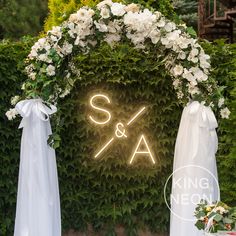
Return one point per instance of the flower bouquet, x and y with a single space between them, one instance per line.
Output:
217 219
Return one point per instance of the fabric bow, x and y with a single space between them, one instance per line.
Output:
207 117
27 107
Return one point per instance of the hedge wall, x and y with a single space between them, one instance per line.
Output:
85 185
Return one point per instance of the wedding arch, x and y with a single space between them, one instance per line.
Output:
53 73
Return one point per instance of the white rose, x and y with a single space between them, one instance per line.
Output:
50 70
225 113
105 13
11 114
221 102
178 70
118 9
132 7
73 18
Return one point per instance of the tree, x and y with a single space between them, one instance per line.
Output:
187 11
21 17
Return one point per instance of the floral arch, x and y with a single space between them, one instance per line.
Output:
50 78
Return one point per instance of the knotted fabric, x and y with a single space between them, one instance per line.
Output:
194 171
38 203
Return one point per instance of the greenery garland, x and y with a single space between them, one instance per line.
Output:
52 73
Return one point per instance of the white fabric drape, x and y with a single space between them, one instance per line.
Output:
38 203
194 171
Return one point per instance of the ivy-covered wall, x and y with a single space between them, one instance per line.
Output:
108 192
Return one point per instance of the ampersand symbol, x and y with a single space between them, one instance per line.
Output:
120 130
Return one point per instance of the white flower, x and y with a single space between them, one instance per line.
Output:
188 75
104 3
183 42
118 9
221 102
132 7
44 57
114 26
67 48
161 23
155 36
50 70
11 114
192 89
56 32
178 70
101 26
14 100
182 55
73 18
84 14
176 83
199 75
180 94
221 209
225 112
170 26
105 13
157 14
32 75
112 38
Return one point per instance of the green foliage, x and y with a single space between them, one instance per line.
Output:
21 17
223 57
108 191
187 11
11 57
59 10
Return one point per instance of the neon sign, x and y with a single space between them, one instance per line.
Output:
120 130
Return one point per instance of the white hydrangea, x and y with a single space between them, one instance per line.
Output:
11 114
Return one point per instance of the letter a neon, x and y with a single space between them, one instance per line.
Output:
147 151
